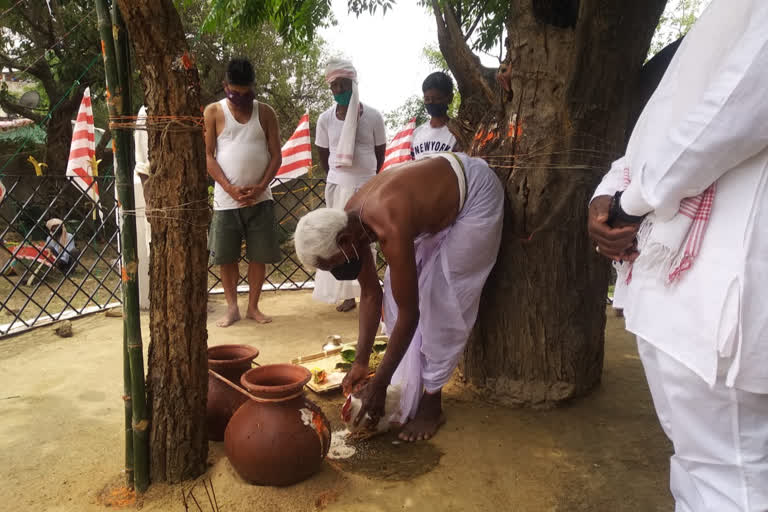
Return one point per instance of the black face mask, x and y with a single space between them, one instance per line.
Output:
436 109
350 270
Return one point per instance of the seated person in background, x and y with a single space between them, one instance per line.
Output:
435 136
438 221
61 244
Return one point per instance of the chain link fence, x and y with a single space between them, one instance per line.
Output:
42 281
75 270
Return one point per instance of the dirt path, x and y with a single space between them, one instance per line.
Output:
61 440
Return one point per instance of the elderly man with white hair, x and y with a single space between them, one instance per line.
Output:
351 149
438 221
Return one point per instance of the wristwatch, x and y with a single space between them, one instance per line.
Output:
617 215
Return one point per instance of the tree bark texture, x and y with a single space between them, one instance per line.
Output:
178 212
552 127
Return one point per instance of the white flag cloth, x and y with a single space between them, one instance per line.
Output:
82 152
399 149
297 154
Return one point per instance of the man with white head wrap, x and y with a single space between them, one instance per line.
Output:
351 149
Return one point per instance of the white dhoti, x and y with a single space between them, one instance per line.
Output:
327 288
452 267
143 239
720 436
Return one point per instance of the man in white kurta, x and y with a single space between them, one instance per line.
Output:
351 150
696 297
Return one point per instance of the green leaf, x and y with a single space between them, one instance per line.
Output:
348 355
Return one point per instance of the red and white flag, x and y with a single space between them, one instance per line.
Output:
399 149
82 152
297 154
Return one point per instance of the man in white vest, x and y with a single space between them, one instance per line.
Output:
684 215
242 146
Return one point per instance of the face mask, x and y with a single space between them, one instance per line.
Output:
240 100
343 98
436 109
348 271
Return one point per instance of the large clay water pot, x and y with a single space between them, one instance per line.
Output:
278 437
225 362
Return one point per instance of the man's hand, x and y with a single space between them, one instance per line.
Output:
373 396
239 194
355 378
249 195
617 242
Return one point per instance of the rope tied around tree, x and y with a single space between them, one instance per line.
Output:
166 124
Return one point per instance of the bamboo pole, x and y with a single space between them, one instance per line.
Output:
116 102
128 413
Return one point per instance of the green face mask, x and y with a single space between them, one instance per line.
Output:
343 98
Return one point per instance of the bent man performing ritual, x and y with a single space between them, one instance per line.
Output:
438 221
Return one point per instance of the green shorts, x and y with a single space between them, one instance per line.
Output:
254 223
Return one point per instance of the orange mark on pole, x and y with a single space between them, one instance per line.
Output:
124 273
103 49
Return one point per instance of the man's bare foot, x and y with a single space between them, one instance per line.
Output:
347 305
232 316
428 419
255 314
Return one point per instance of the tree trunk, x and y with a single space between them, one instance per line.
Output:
553 129
59 134
177 377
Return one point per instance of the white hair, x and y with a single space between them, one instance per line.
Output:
315 235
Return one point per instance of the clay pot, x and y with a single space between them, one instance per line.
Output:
226 364
278 437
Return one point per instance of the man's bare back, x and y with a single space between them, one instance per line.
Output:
422 197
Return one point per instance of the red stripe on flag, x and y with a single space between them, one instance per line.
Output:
403 133
83 135
84 117
293 166
81 152
83 175
394 161
86 101
404 145
297 149
299 133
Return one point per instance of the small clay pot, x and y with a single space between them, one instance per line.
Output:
279 437
231 361
228 362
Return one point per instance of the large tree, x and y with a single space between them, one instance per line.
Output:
177 194
550 120
177 199
53 48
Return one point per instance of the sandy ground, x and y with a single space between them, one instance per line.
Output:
61 443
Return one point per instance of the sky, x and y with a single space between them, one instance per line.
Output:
385 49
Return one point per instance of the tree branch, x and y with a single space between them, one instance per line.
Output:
14 108
473 79
477 21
